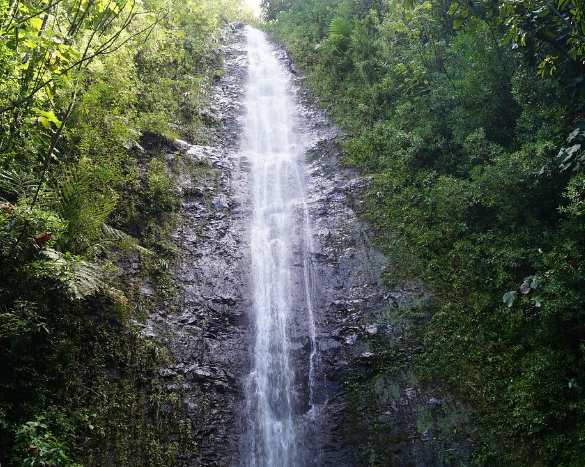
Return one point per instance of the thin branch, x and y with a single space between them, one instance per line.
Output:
107 49
10 15
34 15
565 21
47 163
77 10
76 26
52 146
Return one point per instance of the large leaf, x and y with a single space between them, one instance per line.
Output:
509 298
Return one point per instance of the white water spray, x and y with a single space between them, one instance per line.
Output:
274 148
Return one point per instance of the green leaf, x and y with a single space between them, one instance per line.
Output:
340 27
575 134
542 12
532 282
36 23
509 298
462 14
573 149
537 301
47 117
453 8
43 121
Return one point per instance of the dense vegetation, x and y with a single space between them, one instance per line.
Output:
469 117
88 90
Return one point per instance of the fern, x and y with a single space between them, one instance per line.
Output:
113 236
86 279
340 30
340 27
18 186
80 278
84 208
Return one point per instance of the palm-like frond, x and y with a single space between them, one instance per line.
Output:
111 235
81 278
340 27
17 186
340 30
84 208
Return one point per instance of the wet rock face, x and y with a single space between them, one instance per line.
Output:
208 337
345 278
356 319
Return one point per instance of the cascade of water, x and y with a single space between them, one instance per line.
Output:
273 146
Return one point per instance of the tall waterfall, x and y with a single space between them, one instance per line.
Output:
279 226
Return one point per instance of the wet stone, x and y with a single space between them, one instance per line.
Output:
209 338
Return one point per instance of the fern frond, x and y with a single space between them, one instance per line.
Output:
340 27
74 188
87 279
20 185
122 239
81 278
83 207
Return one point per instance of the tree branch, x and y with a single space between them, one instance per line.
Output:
106 49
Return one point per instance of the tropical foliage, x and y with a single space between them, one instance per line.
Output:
84 85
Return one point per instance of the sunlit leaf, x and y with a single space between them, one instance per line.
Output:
36 23
48 116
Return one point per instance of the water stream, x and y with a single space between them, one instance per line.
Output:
279 229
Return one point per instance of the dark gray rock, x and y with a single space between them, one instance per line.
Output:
210 337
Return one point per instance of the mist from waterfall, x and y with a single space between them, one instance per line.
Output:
280 223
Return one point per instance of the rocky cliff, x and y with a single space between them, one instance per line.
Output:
369 407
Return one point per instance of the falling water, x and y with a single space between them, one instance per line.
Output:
274 148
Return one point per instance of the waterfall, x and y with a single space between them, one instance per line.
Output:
280 224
